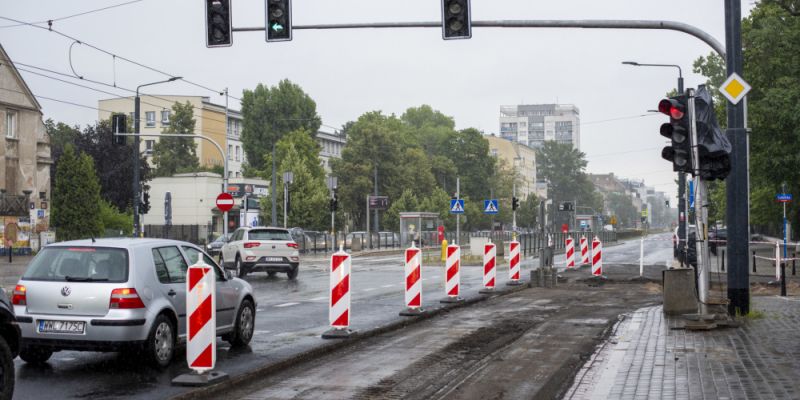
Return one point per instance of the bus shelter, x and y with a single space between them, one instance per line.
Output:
420 227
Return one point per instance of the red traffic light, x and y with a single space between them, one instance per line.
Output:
671 107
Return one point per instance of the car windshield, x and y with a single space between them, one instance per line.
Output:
79 264
268 234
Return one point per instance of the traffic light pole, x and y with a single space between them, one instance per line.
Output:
701 235
683 232
458 216
737 185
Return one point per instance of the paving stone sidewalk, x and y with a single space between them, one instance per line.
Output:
645 359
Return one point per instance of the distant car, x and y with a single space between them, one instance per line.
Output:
717 237
262 249
9 345
120 295
214 247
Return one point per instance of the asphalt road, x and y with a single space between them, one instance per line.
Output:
291 316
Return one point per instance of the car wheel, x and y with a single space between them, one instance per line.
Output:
245 324
160 345
271 274
292 274
6 370
35 355
240 272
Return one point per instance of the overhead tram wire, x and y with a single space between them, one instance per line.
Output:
49 21
116 95
117 56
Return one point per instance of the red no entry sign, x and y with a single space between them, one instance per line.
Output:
224 202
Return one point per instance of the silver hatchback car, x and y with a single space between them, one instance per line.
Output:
120 295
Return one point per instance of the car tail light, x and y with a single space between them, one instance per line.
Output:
292 245
125 298
19 295
249 245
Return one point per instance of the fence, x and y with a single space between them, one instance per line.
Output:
197 234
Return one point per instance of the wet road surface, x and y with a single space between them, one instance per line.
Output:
291 316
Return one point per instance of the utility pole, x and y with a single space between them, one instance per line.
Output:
376 226
737 185
225 166
458 216
272 189
701 217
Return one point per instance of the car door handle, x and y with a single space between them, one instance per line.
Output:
172 292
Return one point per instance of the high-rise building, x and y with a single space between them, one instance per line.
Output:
533 124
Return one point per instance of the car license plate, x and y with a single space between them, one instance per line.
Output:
273 259
76 327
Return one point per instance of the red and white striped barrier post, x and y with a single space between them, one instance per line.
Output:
201 338
339 311
452 275
413 282
201 307
569 250
489 271
584 251
597 257
513 264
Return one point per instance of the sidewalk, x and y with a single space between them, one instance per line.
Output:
647 358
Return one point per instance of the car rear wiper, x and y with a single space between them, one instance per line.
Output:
86 279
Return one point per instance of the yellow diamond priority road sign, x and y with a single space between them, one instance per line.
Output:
734 88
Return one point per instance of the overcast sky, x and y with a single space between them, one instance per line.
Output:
349 72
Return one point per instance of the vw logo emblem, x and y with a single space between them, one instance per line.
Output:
65 291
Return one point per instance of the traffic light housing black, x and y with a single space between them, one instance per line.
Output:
456 19
219 31
679 152
514 203
713 147
145 206
119 124
334 203
279 20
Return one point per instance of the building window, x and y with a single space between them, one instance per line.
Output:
164 117
236 128
230 151
150 117
148 147
11 124
237 153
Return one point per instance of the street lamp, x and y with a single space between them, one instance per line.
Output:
682 220
136 106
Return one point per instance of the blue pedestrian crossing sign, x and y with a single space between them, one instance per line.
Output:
456 206
490 206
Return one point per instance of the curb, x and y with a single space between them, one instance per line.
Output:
268 369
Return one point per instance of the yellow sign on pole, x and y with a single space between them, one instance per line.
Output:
613 220
734 88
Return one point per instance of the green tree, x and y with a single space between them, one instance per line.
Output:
771 41
475 166
113 219
564 167
622 207
76 197
406 202
270 113
297 152
173 155
528 212
113 163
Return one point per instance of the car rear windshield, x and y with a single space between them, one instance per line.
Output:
79 264
269 234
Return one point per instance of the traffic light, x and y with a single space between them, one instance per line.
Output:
713 147
119 124
677 130
334 203
514 203
218 23
145 206
456 22
279 20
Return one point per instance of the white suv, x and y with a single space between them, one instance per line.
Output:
261 249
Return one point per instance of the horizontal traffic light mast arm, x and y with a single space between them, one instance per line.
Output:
575 23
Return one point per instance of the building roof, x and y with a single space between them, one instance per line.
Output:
6 60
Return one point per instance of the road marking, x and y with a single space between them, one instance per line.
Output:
319 298
369 289
287 304
387 286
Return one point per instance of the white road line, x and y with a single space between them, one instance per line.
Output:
287 304
369 289
319 298
387 286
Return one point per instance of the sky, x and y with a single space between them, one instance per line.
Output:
350 72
